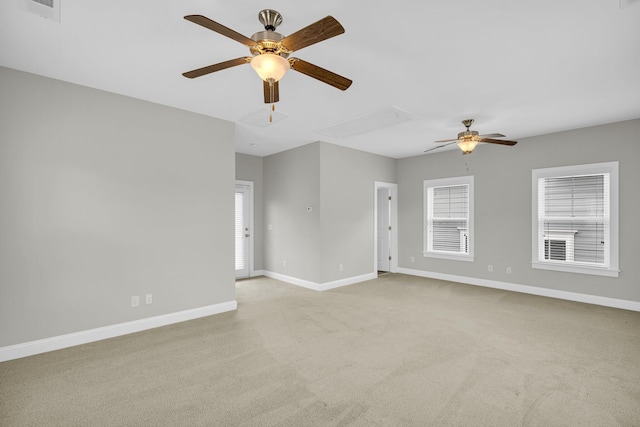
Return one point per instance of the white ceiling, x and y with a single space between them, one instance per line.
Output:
519 67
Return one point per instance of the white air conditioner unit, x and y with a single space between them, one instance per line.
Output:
559 245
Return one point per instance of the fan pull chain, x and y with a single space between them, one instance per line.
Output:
271 95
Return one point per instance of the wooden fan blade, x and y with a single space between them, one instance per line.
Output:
319 73
220 29
216 67
447 140
439 146
498 141
271 96
491 135
318 31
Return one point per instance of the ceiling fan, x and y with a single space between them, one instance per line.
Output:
468 139
270 51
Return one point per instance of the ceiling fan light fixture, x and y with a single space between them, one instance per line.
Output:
269 66
467 145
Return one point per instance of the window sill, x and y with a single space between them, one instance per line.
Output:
451 256
595 271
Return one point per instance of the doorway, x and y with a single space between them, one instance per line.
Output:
385 230
244 228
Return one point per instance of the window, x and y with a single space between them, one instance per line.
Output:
448 207
575 219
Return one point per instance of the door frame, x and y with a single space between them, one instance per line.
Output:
393 220
249 185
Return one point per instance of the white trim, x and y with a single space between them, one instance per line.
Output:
347 281
526 289
451 256
393 191
255 273
83 337
292 280
580 269
320 286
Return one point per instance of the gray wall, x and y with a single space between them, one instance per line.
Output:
503 206
338 184
291 184
250 168
347 191
104 197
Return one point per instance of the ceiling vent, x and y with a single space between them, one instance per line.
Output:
261 117
387 117
49 9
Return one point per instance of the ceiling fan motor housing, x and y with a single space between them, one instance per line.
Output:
268 42
468 134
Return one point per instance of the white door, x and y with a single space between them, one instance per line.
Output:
243 233
383 228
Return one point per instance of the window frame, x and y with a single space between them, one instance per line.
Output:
448 182
610 168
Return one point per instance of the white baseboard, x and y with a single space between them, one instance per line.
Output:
292 280
320 286
347 281
526 289
83 337
255 273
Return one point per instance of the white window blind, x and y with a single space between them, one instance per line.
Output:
239 229
574 218
448 222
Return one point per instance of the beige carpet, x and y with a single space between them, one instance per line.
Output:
396 351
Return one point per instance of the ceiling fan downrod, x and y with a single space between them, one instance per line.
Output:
270 19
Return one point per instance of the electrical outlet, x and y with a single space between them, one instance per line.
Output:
413 259
135 301
490 268
149 298
284 263
341 267
508 270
